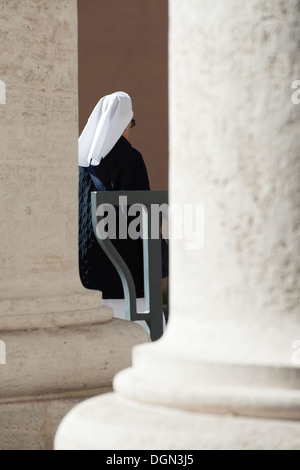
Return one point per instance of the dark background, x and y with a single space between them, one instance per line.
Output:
123 46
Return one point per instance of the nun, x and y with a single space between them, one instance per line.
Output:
107 161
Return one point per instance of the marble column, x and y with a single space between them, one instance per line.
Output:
61 345
226 358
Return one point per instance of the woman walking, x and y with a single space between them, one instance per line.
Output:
107 161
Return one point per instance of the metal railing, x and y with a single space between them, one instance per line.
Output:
152 256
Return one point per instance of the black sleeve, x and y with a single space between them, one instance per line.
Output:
132 175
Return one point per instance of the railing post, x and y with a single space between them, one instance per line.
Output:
152 257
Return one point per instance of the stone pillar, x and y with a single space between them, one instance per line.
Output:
61 345
226 357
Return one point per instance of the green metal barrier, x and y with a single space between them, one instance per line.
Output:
151 252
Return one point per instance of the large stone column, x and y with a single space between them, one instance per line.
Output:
61 345
226 357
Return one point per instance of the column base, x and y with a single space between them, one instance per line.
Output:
230 380
60 360
30 423
112 422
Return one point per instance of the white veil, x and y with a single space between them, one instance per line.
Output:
104 128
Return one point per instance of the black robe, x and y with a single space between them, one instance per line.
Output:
122 169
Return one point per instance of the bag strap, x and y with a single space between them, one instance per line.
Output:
97 182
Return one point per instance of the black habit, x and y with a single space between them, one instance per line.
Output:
123 169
